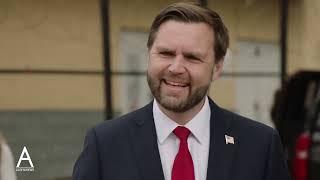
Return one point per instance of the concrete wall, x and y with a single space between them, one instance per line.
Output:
303 40
246 20
50 35
50 113
66 35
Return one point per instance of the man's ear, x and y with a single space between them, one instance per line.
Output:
217 70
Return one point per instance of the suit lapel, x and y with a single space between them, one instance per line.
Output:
145 147
220 154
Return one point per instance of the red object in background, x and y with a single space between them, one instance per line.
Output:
300 161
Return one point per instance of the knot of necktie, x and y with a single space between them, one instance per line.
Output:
182 133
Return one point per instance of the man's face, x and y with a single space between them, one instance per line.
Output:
181 64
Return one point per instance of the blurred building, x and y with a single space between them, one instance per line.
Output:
52 63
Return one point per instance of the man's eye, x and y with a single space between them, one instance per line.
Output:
193 58
166 53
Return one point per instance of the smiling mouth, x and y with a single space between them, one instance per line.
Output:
176 84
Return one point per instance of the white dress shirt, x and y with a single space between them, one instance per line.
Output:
198 140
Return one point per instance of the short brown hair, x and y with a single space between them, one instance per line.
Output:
193 13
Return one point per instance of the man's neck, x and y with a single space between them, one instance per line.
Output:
183 118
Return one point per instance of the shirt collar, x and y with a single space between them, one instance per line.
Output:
199 125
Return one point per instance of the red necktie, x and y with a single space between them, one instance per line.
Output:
183 165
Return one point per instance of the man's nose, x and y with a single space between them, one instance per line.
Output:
177 65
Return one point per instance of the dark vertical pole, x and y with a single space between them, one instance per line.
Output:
203 3
106 56
283 39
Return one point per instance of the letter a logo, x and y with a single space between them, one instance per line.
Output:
23 158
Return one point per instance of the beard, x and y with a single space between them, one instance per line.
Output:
176 104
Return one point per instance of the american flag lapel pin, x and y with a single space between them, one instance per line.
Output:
229 139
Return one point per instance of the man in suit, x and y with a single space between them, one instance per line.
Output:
182 134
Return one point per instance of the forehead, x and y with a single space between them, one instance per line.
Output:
174 34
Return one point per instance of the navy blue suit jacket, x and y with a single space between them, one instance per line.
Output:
126 149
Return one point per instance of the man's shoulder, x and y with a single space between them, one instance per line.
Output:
122 123
244 125
238 123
